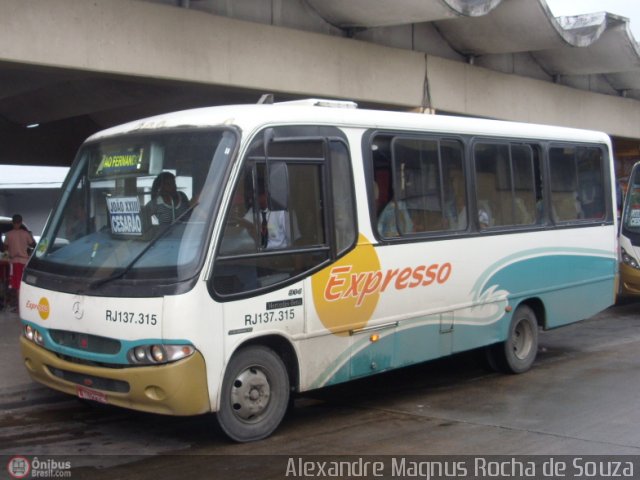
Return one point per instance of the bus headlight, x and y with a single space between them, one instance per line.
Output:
140 354
33 334
29 332
158 354
628 259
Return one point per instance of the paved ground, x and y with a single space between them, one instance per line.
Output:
12 373
15 384
579 399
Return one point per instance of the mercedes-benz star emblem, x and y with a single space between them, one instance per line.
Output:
78 311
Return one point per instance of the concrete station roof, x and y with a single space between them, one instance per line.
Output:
595 52
598 44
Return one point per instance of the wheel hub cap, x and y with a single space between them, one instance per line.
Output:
250 394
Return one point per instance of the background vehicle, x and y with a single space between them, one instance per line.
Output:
630 236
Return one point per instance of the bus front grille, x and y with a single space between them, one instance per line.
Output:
85 342
91 381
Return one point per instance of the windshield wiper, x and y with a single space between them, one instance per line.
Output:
121 273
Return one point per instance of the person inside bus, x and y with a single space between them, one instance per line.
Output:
455 208
591 201
274 226
394 219
77 224
167 203
484 220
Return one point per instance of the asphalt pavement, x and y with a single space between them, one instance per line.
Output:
16 387
579 399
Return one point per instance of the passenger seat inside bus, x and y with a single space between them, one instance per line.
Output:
486 188
565 206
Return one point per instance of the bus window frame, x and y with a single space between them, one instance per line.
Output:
609 216
143 287
330 244
539 220
367 142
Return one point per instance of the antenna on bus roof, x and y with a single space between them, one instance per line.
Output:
266 99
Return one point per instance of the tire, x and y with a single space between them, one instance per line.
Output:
518 352
255 394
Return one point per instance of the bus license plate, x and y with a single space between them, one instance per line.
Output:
89 394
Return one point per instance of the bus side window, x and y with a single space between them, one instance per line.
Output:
523 166
564 194
505 184
591 183
577 184
426 192
263 244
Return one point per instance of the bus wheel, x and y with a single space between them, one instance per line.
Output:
518 352
255 394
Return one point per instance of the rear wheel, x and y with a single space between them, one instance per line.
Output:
518 352
255 394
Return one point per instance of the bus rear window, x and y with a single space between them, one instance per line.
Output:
577 183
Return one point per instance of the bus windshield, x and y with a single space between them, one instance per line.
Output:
137 207
631 220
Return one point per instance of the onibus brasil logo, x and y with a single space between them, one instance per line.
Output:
22 467
19 467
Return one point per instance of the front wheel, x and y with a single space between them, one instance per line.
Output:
255 394
518 352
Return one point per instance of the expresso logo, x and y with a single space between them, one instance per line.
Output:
42 307
346 294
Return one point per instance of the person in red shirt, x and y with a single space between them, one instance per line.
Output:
17 243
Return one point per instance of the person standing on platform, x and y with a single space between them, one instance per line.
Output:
17 243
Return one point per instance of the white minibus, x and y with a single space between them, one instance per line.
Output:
224 259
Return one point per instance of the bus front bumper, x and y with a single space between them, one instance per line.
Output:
178 388
630 280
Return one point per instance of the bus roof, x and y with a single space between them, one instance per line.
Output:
344 114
